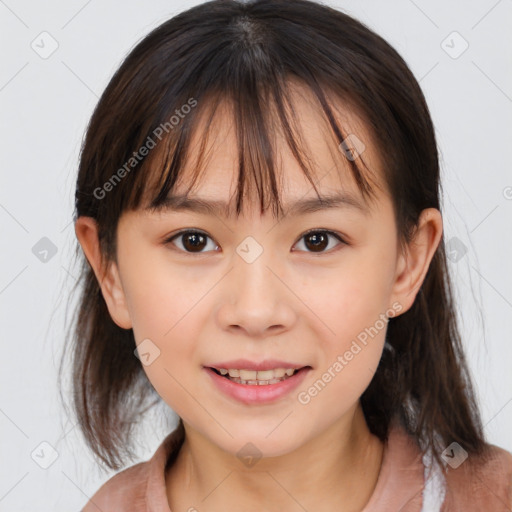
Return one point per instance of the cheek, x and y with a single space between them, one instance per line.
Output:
352 298
356 314
352 305
166 304
160 293
167 320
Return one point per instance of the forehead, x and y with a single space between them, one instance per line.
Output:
327 161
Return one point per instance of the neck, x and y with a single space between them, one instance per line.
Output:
337 470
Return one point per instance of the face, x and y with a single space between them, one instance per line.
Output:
258 288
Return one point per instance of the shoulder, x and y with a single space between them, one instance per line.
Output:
480 483
141 487
124 491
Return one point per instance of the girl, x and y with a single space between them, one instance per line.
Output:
310 349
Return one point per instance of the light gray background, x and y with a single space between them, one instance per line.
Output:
46 104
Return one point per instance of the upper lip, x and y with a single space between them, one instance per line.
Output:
245 364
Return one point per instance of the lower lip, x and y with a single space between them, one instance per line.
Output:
256 394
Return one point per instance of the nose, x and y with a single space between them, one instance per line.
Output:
258 301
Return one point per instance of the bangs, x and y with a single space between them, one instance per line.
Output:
260 115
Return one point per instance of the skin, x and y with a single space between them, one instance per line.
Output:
291 303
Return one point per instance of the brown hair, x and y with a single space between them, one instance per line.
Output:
245 52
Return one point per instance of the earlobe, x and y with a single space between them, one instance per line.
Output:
107 275
414 264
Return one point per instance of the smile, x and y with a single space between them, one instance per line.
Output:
253 387
256 378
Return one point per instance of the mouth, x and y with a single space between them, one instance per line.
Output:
257 377
257 387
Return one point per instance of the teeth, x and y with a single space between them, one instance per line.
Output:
245 374
265 375
253 377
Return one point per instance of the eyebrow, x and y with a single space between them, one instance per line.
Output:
182 202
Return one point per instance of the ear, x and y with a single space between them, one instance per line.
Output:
86 231
413 265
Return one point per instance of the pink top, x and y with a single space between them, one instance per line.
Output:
401 485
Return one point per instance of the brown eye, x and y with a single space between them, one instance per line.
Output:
318 240
191 241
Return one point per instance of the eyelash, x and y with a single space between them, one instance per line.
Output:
170 239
